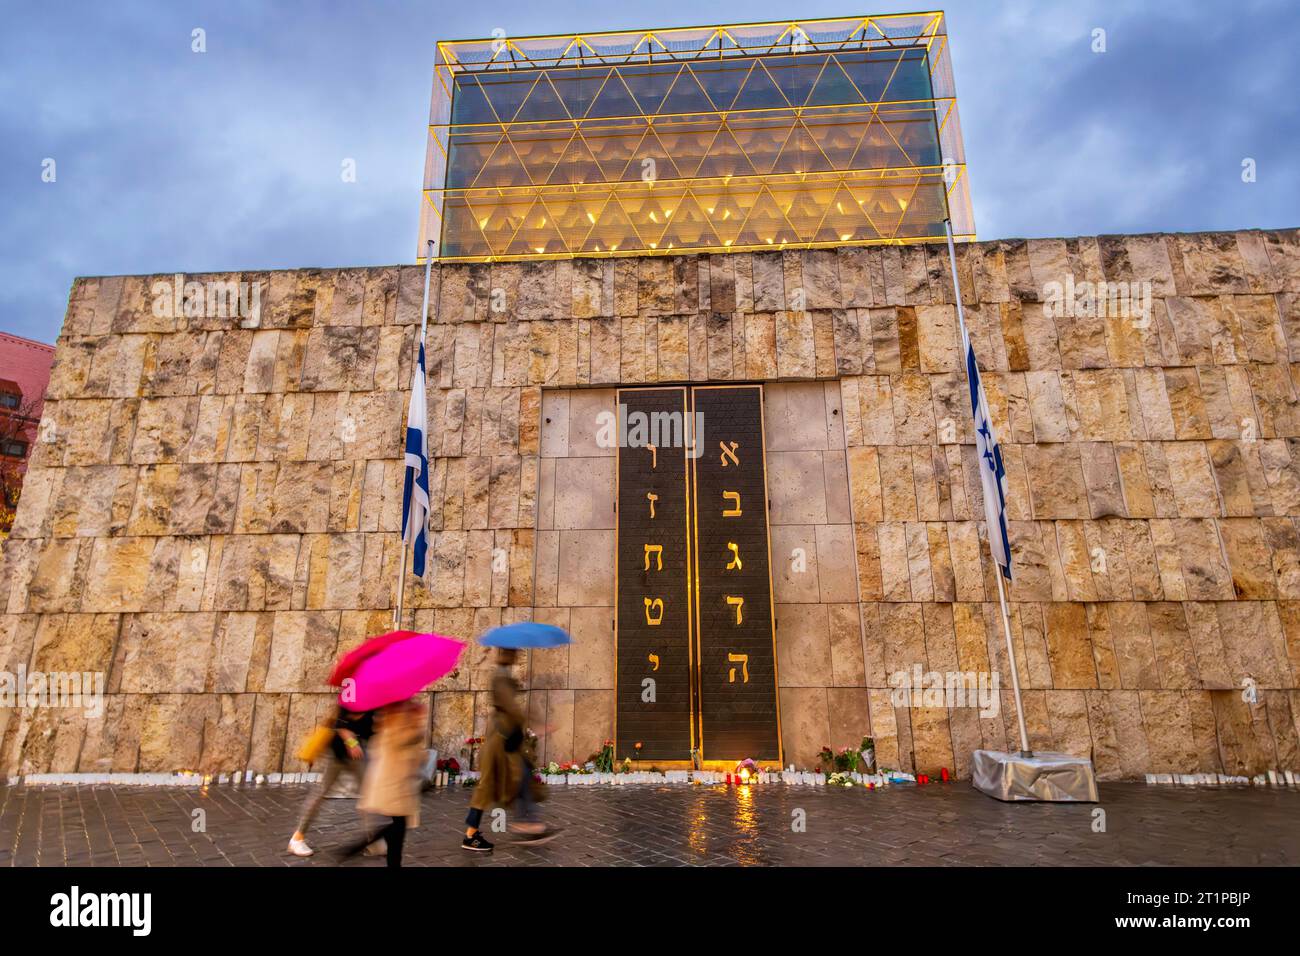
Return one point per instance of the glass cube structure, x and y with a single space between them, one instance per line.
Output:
799 134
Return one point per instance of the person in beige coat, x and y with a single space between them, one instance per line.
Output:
392 783
506 776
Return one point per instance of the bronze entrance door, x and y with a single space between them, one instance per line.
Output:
696 657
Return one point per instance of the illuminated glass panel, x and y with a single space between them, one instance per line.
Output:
784 135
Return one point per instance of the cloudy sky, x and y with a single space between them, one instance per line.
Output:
169 160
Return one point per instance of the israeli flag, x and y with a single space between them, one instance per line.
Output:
415 490
993 476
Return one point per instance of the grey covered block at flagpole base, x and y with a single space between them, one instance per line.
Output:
1056 778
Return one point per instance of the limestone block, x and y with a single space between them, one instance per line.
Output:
847 666
1040 334
1069 646
891 731
1254 643
795 564
1168 560
1207 645
655 288
864 483
1056 481
1175 653
591 656
1170 731
586 561
803 645
1067 713
855 281
549 667
1249 558
805 724
870 586
1192 479
1077 560
1283 543
721 281
1103 646
823 344
932 740
171 733
795 348
1101 475
672 349
794 415
835 554
796 484
769 282
162 428
898 490
61 643
1033 656
913 409
1147 259
876 409
453 720
118 575
902 635
895 570
584 493
917 542
1120 747
1204 570
882 345
1047 406
1245 742
593 721
164 653
1211 262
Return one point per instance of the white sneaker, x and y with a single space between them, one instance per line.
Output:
378 848
300 848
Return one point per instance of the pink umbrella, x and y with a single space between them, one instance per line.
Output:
399 668
350 661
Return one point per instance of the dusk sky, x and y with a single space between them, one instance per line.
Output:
168 160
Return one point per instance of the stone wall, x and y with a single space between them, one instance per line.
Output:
211 518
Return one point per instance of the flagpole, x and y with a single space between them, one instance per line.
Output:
997 568
406 545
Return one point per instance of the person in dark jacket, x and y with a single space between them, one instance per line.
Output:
347 756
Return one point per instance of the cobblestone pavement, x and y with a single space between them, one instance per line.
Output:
669 826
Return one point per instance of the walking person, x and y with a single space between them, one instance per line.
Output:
392 783
346 755
506 774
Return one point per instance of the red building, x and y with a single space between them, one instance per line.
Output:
24 374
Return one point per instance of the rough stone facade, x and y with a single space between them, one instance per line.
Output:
211 516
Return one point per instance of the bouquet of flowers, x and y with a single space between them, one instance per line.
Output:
869 753
604 760
843 762
451 765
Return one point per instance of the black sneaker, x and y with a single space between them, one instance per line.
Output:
476 843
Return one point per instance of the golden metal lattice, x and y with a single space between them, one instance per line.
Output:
819 133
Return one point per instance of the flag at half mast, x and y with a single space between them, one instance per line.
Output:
415 489
993 476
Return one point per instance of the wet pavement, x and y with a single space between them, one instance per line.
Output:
673 825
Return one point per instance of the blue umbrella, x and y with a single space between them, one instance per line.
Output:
526 634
